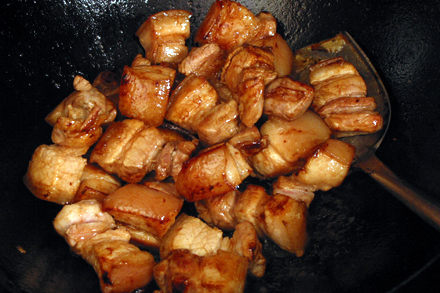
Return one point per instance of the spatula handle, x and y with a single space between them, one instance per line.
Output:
420 202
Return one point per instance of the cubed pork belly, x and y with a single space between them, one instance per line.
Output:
191 101
183 271
77 120
328 166
287 99
283 55
285 222
213 171
218 210
289 141
220 124
341 98
145 91
91 233
96 184
247 71
192 234
206 61
54 173
128 149
144 208
229 25
163 36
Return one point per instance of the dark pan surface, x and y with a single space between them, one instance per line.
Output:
362 239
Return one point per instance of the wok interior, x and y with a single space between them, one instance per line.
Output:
362 240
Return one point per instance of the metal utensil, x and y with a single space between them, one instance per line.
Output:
420 202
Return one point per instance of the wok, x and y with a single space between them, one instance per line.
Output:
362 239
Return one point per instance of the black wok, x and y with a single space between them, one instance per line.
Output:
362 239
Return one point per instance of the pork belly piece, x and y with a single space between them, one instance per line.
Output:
247 71
220 124
163 36
78 118
192 234
128 149
206 61
108 83
250 207
79 104
335 78
213 171
340 98
245 242
289 141
191 101
172 157
145 91
347 105
96 184
283 55
364 122
229 24
54 173
287 99
143 207
140 237
295 189
340 86
184 271
328 166
330 68
83 212
218 210
249 141
285 222
120 266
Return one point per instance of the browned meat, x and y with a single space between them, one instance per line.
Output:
184 271
218 210
193 99
172 157
245 242
54 173
206 61
96 184
229 24
347 105
250 207
289 141
328 166
144 208
363 122
246 72
249 141
120 266
283 55
340 98
285 222
213 171
78 105
220 124
77 120
191 233
292 187
128 149
145 91
287 99
163 36
108 82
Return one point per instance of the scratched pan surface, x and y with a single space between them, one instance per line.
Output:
362 239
